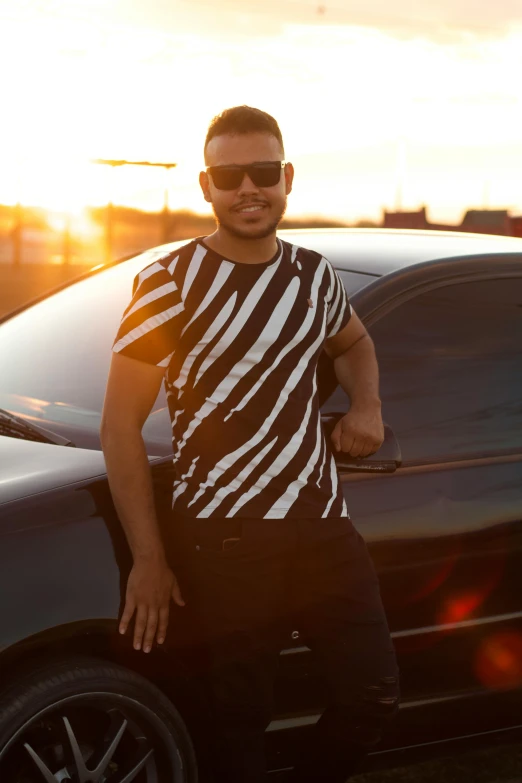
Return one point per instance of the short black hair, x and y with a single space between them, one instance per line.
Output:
243 119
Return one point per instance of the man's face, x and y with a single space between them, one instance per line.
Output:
234 208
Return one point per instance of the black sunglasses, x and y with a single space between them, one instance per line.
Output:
263 175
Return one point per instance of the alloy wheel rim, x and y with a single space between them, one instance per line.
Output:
93 738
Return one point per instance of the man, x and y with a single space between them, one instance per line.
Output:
260 542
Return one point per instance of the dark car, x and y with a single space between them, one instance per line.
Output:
440 506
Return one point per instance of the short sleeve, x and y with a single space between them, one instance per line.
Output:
151 324
339 307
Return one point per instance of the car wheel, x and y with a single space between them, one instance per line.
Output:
89 721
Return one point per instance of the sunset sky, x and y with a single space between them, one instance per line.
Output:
377 101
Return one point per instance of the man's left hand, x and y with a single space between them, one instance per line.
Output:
359 433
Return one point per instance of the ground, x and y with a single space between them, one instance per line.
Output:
498 765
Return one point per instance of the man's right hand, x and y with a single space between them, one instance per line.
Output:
150 587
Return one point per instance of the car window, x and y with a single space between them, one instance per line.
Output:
354 281
55 358
450 364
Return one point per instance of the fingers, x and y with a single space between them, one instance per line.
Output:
148 600
148 621
150 630
345 441
371 449
335 437
126 617
163 623
358 434
365 449
140 626
360 449
159 620
356 447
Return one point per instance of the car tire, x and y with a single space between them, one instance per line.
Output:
88 719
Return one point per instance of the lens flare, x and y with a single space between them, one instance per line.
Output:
498 662
463 604
460 608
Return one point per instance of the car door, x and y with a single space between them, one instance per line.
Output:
445 530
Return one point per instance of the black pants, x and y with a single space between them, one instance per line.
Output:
246 596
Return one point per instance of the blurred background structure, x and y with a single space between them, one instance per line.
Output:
109 222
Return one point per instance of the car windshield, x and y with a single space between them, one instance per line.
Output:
16 427
55 358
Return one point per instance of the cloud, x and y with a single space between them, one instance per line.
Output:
438 20
432 19
435 18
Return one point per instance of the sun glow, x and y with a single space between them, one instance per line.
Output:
359 108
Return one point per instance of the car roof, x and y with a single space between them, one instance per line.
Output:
364 251
378 251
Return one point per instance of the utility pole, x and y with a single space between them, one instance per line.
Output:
110 208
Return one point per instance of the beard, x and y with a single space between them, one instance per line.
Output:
261 233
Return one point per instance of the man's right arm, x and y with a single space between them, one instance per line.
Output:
132 389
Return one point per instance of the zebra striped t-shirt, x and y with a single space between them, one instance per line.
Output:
240 344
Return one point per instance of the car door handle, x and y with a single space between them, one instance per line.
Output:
385 460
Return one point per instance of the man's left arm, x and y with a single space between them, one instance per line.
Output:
360 432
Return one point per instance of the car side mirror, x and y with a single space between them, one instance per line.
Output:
386 460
